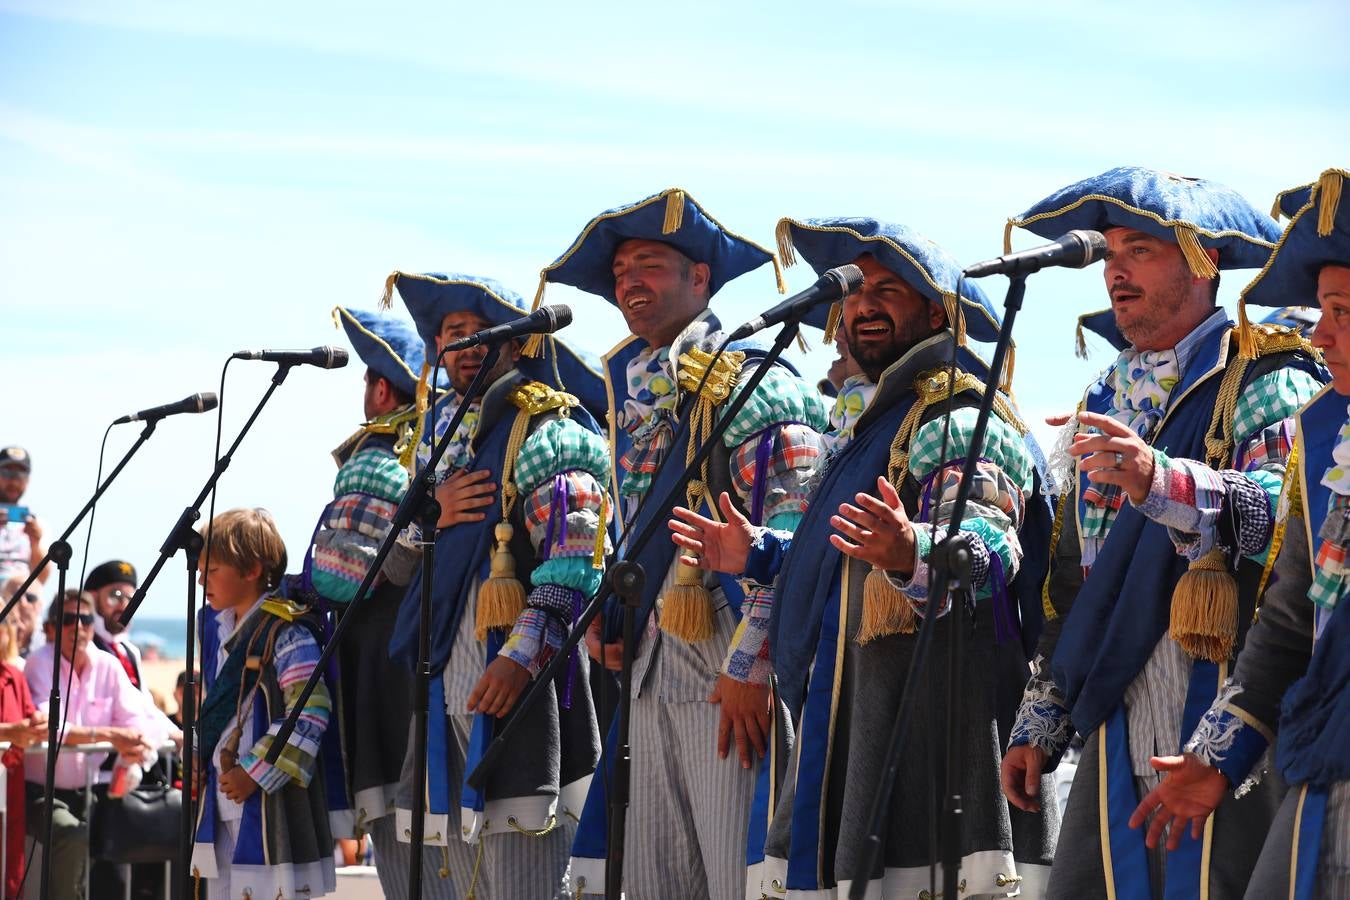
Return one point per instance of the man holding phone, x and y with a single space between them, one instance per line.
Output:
20 532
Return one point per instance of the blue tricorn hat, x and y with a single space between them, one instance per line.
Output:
1318 235
1195 214
672 217
386 344
932 271
429 297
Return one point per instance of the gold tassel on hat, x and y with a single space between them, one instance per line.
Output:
778 275
786 251
1246 334
1007 237
502 596
885 610
1328 200
1205 609
687 608
1080 341
1009 363
674 212
534 344
387 298
1196 257
832 321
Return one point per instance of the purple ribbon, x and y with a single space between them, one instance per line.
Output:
1006 627
573 661
757 490
557 511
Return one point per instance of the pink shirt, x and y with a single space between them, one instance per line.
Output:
102 696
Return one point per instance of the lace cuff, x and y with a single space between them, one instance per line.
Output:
1230 740
1042 720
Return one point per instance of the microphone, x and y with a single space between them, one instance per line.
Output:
1075 250
323 357
835 284
194 404
544 320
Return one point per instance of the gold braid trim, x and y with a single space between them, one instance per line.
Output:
1057 529
1204 609
1291 497
686 607
885 609
502 597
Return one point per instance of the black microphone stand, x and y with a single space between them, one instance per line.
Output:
628 573
185 537
60 553
419 502
950 562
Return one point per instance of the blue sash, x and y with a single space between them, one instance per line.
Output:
1315 715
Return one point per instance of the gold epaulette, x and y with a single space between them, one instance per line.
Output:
694 363
390 423
1279 339
935 386
535 398
286 610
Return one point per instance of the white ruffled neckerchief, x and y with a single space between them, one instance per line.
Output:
855 394
459 455
1143 381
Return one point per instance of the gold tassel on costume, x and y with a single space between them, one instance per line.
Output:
687 608
1328 199
1205 609
674 212
885 610
502 596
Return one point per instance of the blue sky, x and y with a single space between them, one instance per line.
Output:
179 181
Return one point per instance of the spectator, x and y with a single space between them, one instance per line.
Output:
20 540
100 705
25 615
843 368
21 725
111 584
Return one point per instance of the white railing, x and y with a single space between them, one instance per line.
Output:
31 880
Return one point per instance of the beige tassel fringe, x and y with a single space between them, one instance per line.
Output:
886 611
1205 609
687 609
502 596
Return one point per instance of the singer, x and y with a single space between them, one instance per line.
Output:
1295 655
853 580
1142 646
522 526
373 692
701 711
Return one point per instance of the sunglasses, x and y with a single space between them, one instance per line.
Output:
85 619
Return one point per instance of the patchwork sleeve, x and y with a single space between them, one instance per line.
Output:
775 444
562 474
366 496
1236 733
1003 477
1192 500
295 654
